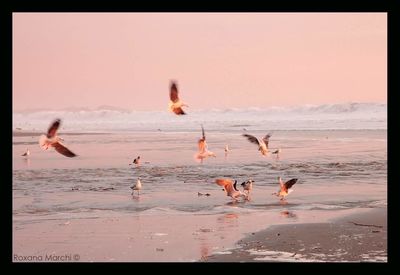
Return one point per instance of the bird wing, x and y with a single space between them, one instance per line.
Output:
223 182
24 154
229 189
234 186
63 150
51 132
173 93
202 131
290 183
179 111
227 184
266 139
252 139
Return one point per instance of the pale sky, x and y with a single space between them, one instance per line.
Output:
220 60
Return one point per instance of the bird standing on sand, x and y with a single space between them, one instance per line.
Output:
175 104
203 147
226 149
137 186
26 154
247 187
51 139
277 152
285 188
262 143
229 187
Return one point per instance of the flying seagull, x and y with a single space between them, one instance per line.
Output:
175 104
137 186
229 187
27 153
51 139
285 188
203 147
262 143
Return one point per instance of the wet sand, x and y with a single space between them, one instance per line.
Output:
199 238
353 238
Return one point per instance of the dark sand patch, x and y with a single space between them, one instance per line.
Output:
355 238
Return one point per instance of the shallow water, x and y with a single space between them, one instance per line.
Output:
337 169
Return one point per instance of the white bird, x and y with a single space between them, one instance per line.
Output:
175 104
53 140
262 143
247 186
226 149
285 188
203 147
26 154
230 188
137 186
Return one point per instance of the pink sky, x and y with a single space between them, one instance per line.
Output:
220 60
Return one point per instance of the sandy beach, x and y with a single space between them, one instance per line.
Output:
353 238
356 237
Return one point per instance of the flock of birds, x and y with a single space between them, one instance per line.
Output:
51 139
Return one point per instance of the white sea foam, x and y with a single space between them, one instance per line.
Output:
307 117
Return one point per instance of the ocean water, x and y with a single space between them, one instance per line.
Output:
337 152
321 117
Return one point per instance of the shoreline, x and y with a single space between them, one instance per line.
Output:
352 238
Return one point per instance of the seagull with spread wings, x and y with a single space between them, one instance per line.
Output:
262 143
230 188
203 147
51 139
285 188
175 104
